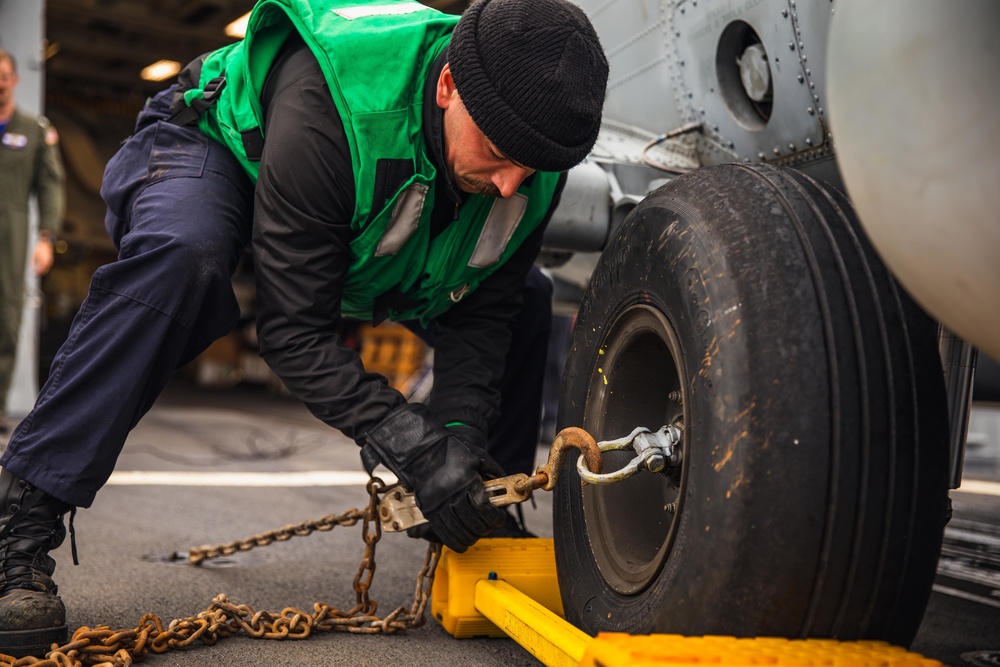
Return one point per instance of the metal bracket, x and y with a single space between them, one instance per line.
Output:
397 510
655 451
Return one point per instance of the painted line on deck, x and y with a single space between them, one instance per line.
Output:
248 479
980 487
965 595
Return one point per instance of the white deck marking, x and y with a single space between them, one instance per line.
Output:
980 487
249 479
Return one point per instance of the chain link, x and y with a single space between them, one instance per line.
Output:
103 647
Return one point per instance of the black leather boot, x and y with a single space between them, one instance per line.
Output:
32 617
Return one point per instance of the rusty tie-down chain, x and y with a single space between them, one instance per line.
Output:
104 647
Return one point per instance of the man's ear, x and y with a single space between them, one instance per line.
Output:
446 90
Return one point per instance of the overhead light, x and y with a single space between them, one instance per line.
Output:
161 70
238 28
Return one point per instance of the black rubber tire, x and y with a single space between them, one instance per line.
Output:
811 496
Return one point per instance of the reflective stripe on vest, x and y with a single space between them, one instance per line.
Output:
500 225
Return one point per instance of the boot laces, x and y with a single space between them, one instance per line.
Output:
26 540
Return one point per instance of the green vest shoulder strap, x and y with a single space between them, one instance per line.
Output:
378 101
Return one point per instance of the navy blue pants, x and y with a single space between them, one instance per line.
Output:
180 210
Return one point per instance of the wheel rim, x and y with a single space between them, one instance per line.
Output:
635 372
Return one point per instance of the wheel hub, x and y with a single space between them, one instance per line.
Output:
637 382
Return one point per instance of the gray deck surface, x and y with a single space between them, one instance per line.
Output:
126 536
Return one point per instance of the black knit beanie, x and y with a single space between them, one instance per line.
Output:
532 75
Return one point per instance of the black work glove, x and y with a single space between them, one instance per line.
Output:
476 441
443 472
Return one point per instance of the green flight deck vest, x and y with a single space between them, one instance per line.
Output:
375 57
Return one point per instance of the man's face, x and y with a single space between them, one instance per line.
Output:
8 80
476 165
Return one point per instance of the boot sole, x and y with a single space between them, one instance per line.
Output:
22 643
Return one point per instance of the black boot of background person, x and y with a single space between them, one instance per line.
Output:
32 617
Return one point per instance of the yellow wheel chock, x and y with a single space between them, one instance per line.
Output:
508 587
525 564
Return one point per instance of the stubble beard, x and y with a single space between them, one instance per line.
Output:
478 186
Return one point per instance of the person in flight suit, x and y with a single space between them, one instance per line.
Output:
30 164
395 162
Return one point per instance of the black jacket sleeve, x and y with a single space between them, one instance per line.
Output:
472 339
302 211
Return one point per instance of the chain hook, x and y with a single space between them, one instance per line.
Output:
547 475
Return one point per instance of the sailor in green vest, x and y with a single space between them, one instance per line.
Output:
384 160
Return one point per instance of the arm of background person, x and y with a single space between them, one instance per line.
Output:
50 191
